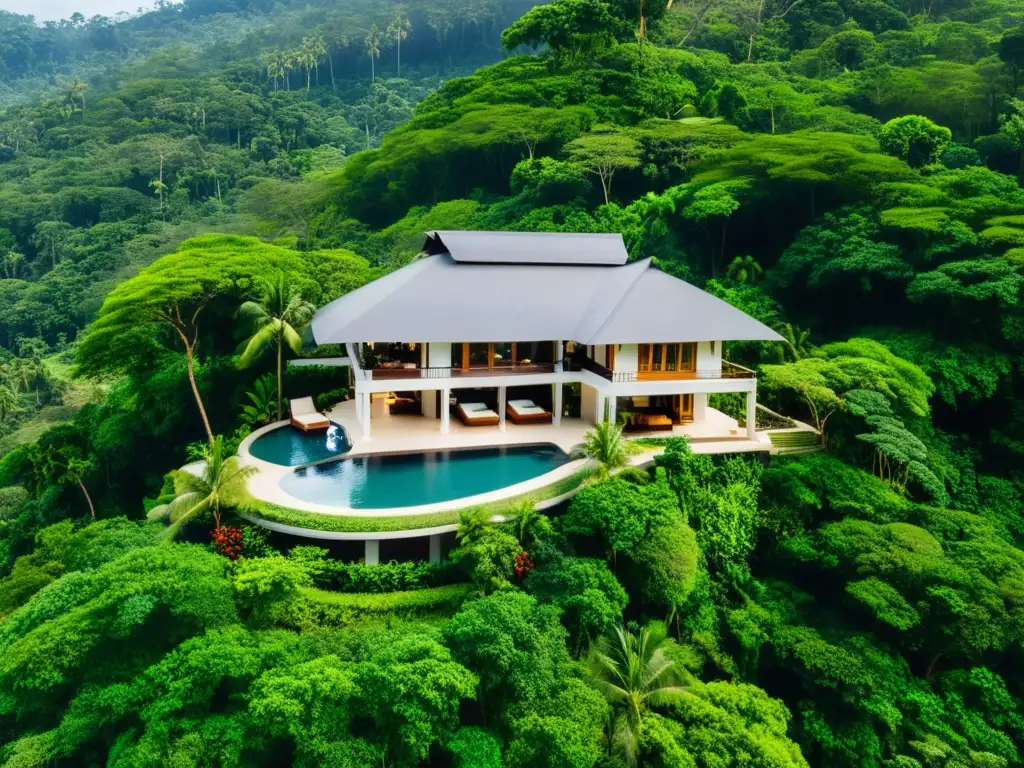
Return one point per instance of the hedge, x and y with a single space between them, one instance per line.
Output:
339 576
318 608
317 521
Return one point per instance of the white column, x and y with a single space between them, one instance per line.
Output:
612 403
598 407
556 409
559 353
751 414
372 552
359 405
365 421
501 408
435 548
446 396
700 406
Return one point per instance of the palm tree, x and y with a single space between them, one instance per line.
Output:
372 42
632 672
399 30
797 341
8 400
220 486
606 445
744 269
278 316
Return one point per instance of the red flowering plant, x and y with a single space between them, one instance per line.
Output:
523 564
227 541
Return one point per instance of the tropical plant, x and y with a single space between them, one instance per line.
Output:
744 269
634 675
796 342
8 400
278 316
220 485
258 411
606 445
531 525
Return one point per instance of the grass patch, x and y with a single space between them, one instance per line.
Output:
316 521
319 608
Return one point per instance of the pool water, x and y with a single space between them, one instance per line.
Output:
290 447
404 480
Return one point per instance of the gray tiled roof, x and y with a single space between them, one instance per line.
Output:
481 298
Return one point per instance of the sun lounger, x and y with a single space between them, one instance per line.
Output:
476 415
305 415
527 412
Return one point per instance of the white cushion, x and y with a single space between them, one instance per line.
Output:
533 410
521 403
307 419
480 412
302 405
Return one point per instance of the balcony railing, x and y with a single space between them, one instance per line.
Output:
448 372
729 371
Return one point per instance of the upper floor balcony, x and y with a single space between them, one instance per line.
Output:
657 362
459 359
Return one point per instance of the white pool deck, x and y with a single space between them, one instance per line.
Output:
410 434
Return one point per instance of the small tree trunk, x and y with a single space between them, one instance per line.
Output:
190 361
88 499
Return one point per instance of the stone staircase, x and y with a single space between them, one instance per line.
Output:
788 442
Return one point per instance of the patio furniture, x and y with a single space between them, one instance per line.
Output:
306 417
527 412
476 415
650 421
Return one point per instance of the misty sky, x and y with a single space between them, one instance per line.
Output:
47 10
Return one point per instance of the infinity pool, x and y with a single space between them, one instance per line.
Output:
290 447
405 480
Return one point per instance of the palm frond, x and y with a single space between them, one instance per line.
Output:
258 343
291 338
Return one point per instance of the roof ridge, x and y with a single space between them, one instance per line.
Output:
627 289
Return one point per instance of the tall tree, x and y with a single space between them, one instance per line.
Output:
603 152
277 318
372 45
398 30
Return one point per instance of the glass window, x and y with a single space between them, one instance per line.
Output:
689 356
643 354
535 351
457 355
670 357
656 361
503 353
478 355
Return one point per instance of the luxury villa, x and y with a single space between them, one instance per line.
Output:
476 371
490 327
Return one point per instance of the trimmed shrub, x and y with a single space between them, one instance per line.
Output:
315 608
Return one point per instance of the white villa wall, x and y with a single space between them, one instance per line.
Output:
708 360
626 357
588 402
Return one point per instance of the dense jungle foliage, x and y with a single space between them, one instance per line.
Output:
847 171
